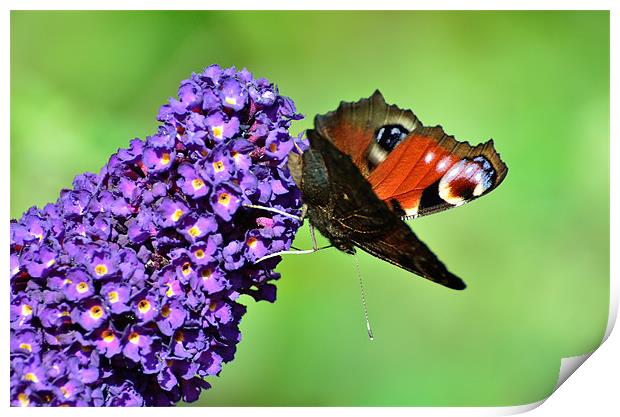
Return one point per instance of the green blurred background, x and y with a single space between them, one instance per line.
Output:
535 252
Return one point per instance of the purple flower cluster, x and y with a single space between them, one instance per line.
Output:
125 291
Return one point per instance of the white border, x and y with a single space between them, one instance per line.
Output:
595 388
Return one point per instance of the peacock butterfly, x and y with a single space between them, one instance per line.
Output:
371 165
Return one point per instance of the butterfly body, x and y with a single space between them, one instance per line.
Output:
370 164
339 201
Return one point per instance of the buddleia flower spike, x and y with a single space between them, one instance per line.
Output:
124 292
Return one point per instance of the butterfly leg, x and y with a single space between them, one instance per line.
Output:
315 248
313 237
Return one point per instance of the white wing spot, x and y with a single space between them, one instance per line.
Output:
443 164
429 157
452 173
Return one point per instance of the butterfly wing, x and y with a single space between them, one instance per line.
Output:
418 170
350 212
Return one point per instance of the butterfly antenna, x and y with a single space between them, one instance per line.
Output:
359 275
274 210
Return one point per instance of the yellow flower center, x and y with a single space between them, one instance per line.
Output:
82 287
273 147
176 215
26 310
198 184
101 270
113 297
134 338
231 100
186 269
199 254
26 346
65 391
144 306
252 242
31 377
165 311
179 337
218 131
206 273
224 199
107 336
50 262
169 291
165 158
235 155
194 231
218 166
96 312
24 401
213 306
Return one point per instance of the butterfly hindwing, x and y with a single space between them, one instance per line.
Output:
417 170
345 209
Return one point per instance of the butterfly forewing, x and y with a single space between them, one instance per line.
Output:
417 170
